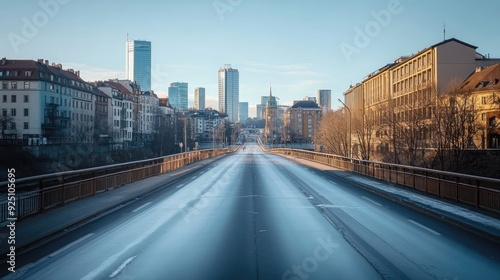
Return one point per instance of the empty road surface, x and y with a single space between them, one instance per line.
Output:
253 215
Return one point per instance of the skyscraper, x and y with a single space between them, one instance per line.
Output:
178 95
325 100
243 112
199 98
138 63
229 92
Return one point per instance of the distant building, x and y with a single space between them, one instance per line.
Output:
310 98
178 95
243 112
271 130
205 125
199 98
302 121
325 100
229 92
138 63
259 112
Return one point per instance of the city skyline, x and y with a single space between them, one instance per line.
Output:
299 48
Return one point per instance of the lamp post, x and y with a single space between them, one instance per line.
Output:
350 131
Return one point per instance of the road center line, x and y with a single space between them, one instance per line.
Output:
179 186
424 227
122 266
194 177
137 209
70 245
374 202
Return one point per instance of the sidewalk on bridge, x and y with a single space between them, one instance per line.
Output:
33 229
473 219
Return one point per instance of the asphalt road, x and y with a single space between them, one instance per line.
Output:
258 216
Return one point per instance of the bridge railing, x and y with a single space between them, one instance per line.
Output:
481 192
39 193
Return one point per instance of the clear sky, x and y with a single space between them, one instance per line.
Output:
298 46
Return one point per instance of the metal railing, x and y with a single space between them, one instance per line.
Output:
481 192
39 193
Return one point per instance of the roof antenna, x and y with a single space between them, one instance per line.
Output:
444 31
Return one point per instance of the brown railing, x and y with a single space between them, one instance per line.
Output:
477 191
36 194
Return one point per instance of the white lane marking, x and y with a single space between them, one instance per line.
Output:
137 209
424 227
331 181
201 172
374 202
70 245
121 267
179 186
109 261
194 177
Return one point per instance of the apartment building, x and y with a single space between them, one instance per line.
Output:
406 88
44 104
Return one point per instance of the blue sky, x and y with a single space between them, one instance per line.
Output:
297 46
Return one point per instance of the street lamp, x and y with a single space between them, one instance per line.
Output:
350 131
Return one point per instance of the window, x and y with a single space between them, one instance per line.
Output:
4 99
13 98
26 99
484 99
13 125
26 126
13 85
13 112
4 112
26 112
5 85
26 85
28 73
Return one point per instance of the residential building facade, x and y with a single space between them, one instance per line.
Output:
44 104
301 121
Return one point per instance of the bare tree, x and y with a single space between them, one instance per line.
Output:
408 119
362 129
455 127
333 133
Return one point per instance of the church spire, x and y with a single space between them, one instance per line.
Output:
270 90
